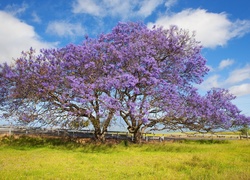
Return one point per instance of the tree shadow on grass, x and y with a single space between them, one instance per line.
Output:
30 142
27 142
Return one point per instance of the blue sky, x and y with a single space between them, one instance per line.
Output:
222 26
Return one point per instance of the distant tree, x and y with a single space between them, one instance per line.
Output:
78 124
145 76
245 130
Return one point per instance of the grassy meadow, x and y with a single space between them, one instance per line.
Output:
40 158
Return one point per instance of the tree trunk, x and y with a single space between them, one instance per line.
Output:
136 131
99 136
101 130
137 137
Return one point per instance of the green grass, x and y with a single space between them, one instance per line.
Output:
39 158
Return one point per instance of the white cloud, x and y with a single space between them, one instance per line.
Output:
238 82
148 6
114 8
239 75
225 63
87 6
17 36
170 3
36 18
210 82
65 29
240 90
212 29
15 9
236 76
211 69
239 28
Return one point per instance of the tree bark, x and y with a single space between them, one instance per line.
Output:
137 137
135 129
100 136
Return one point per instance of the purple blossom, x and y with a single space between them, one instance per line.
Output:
146 76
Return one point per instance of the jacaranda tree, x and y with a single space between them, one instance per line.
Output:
145 76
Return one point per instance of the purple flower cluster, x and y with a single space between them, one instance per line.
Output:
145 76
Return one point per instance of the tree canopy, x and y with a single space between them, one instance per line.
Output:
145 76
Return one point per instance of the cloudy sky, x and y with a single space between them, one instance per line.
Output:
222 26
